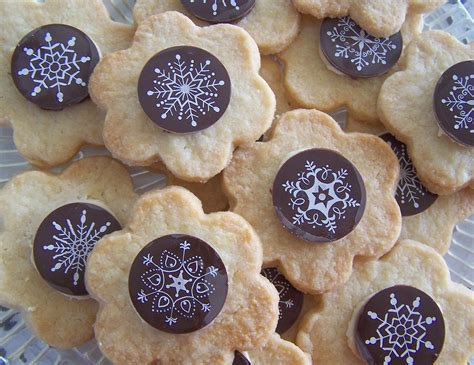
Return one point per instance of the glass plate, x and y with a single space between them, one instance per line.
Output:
19 346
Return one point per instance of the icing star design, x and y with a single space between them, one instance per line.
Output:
179 283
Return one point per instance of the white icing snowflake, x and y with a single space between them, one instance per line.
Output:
401 330
320 196
54 66
358 45
186 89
462 99
282 286
186 277
214 4
73 245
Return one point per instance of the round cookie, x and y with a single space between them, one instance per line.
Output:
248 317
133 137
46 137
273 24
94 184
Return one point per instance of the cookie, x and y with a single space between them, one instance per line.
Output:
402 308
353 125
138 131
379 18
407 107
279 352
311 82
271 71
273 24
311 245
50 225
53 117
213 302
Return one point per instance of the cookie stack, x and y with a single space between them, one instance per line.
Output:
282 238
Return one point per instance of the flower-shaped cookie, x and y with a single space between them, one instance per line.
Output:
278 352
26 242
273 24
271 71
440 319
211 301
311 83
227 95
381 18
48 137
407 108
335 198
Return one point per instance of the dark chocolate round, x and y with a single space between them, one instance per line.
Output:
178 283
240 359
64 241
454 102
219 11
319 195
400 325
411 195
52 64
291 299
354 52
184 89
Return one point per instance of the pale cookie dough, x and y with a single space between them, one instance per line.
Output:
311 84
381 18
132 137
315 267
353 125
48 138
273 24
26 200
250 312
406 108
328 332
279 352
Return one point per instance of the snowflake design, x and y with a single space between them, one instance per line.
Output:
186 280
401 330
186 89
214 4
55 65
73 245
320 196
282 286
358 45
462 99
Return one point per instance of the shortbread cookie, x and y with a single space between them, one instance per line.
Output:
407 106
230 106
311 83
273 24
278 352
381 18
353 125
213 300
43 136
49 225
282 187
408 291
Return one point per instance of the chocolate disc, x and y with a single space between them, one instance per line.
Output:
184 89
454 102
354 52
411 195
64 241
240 359
218 11
52 64
178 283
400 325
291 299
319 195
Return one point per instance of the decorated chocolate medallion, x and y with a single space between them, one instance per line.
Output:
219 11
454 102
52 64
400 325
184 89
240 359
178 283
411 195
319 195
354 52
64 241
291 299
